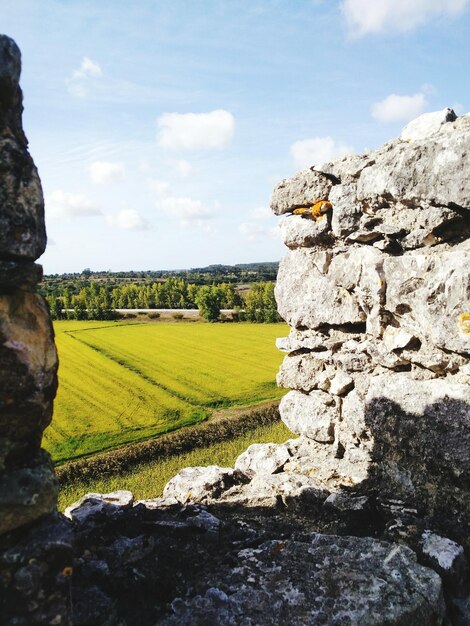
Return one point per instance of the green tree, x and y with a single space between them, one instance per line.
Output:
260 303
209 300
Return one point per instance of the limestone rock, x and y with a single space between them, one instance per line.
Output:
22 230
411 454
19 275
35 544
262 458
199 484
313 415
286 489
445 556
308 296
28 366
303 371
346 210
301 340
36 573
427 124
345 503
341 384
92 504
11 106
297 231
27 493
432 171
303 189
430 291
321 581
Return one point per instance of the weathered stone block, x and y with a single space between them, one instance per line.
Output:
305 188
22 229
313 415
308 295
19 275
27 492
28 366
36 573
370 582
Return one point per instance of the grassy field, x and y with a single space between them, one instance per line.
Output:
147 480
126 382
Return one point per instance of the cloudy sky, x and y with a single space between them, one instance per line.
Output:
160 127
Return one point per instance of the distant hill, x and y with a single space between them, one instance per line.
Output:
241 275
236 274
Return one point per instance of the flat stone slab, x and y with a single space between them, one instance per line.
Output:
329 580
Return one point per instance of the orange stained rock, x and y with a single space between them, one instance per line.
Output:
319 208
464 322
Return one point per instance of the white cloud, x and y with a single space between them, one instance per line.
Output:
261 213
183 167
318 150
195 131
382 16
107 172
62 204
88 69
254 231
128 219
83 79
395 108
259 228
161 188
187 211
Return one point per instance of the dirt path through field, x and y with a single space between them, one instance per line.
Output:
234 412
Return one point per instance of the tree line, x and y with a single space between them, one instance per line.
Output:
97 301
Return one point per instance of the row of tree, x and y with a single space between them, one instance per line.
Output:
99 302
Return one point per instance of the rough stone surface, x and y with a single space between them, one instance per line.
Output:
445 556
297 231
28 365
19 275
304 189
199 484
27 492
329 580
427 124
93 504
36 572
262 458
313 415
35 543
22 230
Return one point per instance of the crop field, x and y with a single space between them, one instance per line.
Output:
126 382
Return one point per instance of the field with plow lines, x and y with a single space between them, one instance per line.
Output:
126 382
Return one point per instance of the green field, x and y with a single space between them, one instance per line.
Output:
125 382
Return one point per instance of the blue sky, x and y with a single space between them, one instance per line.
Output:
160 127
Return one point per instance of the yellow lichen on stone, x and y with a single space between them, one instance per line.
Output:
301 210
316 210
464 323
320 208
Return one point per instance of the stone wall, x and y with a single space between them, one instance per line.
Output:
377 294
35 544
